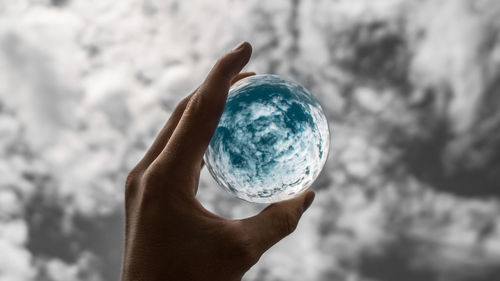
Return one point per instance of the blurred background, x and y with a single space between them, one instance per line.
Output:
411 190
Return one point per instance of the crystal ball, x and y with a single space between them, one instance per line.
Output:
271 142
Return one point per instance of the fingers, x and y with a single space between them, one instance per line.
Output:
184 150
277 221
165 133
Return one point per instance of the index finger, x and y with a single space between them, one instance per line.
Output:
190 139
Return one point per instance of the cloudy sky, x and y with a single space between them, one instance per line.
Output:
411 88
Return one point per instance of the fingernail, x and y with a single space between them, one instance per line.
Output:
239 46
308 201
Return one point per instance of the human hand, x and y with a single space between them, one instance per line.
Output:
169 235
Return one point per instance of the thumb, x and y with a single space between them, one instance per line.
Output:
277 221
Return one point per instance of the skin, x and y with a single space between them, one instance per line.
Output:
169 235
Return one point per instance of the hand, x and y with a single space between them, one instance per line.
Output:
169 235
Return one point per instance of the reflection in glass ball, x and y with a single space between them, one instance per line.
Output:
271 142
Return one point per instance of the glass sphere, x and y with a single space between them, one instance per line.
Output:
271 142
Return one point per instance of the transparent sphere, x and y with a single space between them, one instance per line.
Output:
271 142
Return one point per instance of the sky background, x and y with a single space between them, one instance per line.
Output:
411 88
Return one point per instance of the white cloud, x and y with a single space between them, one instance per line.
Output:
15 260
85 87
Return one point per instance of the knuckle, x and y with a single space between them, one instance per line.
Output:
184 102
150 179
244 250
195 104
151 176
287 222
132 181
133 176
249 256
241 249
181 106
204 109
